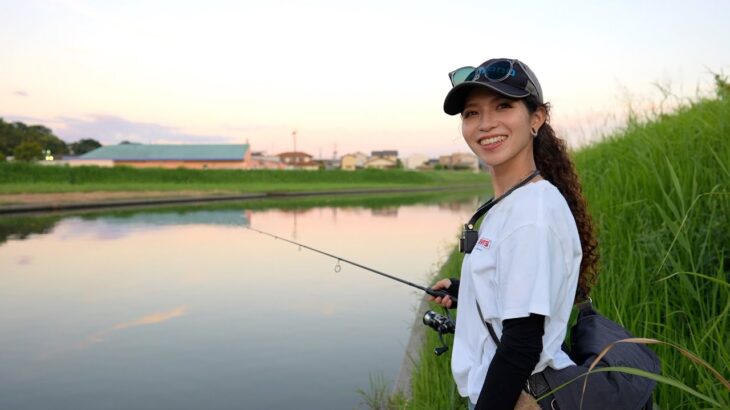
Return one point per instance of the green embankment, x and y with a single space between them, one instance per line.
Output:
659 193
30 178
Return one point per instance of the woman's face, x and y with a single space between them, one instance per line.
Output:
498 129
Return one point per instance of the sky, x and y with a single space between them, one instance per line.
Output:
346 76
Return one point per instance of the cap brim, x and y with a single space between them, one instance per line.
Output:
456 98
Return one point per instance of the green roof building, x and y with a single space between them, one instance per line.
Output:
222 156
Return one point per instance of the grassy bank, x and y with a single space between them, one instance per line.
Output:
31 178
659 193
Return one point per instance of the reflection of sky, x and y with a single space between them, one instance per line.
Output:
234 310
115 227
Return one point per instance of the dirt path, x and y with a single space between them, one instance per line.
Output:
77 197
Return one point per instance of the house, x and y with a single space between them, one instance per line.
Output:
351 162
388 154
415 161
459 160
298 160
259 160
381 163
223 156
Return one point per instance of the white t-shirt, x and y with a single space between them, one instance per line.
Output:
526 260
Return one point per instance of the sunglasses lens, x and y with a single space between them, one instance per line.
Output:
460 75
499 70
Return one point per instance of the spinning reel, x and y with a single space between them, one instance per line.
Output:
441 324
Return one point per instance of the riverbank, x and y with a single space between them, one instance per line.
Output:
28 178
63 201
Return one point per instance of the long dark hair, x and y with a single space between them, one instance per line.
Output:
551 158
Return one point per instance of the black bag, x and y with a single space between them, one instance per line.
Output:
605 390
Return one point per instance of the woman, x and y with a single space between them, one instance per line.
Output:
535 253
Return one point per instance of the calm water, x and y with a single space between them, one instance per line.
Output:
191 310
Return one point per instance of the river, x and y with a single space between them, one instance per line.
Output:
186 308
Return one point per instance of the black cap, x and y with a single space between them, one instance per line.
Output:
519 82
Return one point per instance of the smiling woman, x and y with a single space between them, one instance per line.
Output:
535 254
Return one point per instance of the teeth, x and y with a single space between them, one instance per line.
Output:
493 140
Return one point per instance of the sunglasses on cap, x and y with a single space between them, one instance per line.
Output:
496 71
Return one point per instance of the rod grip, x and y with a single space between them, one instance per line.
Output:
440 293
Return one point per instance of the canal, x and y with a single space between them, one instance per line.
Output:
186 308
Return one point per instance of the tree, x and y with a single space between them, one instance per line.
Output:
83 146
28 151
14 134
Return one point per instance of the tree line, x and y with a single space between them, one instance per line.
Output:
33 142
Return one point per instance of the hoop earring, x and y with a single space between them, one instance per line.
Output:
534 132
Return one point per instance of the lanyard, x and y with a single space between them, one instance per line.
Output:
469 236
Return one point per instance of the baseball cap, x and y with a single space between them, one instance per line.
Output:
509 77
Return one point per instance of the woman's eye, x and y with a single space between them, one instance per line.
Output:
468 114
504 105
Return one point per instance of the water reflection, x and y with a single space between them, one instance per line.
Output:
183 308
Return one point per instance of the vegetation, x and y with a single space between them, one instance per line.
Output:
14 134
659 192
24 177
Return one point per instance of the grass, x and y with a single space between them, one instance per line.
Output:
17 177
659 193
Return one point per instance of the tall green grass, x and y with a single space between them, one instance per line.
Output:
659 193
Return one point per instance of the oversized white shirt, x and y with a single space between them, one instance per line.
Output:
526 260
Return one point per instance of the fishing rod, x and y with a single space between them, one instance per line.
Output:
434 293
440 323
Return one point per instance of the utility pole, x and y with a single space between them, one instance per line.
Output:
294 137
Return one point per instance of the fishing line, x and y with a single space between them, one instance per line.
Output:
434 293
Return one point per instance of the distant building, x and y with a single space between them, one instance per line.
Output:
228 156
388 154
415 161
351 162
459 160
381 163
259 160
328 163
298 160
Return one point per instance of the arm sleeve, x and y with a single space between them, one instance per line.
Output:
515 359
453 291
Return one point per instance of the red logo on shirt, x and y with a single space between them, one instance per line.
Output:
485 243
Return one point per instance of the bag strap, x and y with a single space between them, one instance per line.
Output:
488 325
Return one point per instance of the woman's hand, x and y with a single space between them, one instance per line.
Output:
445 301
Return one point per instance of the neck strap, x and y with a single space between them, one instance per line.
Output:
493 201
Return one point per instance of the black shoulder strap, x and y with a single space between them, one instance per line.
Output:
488 325
494 201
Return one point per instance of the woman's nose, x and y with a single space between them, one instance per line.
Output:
487 122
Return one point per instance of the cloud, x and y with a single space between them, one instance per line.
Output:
109 129
21 93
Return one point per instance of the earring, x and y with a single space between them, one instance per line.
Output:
534 132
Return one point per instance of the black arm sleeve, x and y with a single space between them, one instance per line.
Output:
515 359
453 291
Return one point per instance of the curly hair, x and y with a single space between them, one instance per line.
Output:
551 158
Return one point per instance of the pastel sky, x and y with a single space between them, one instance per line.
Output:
347 76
